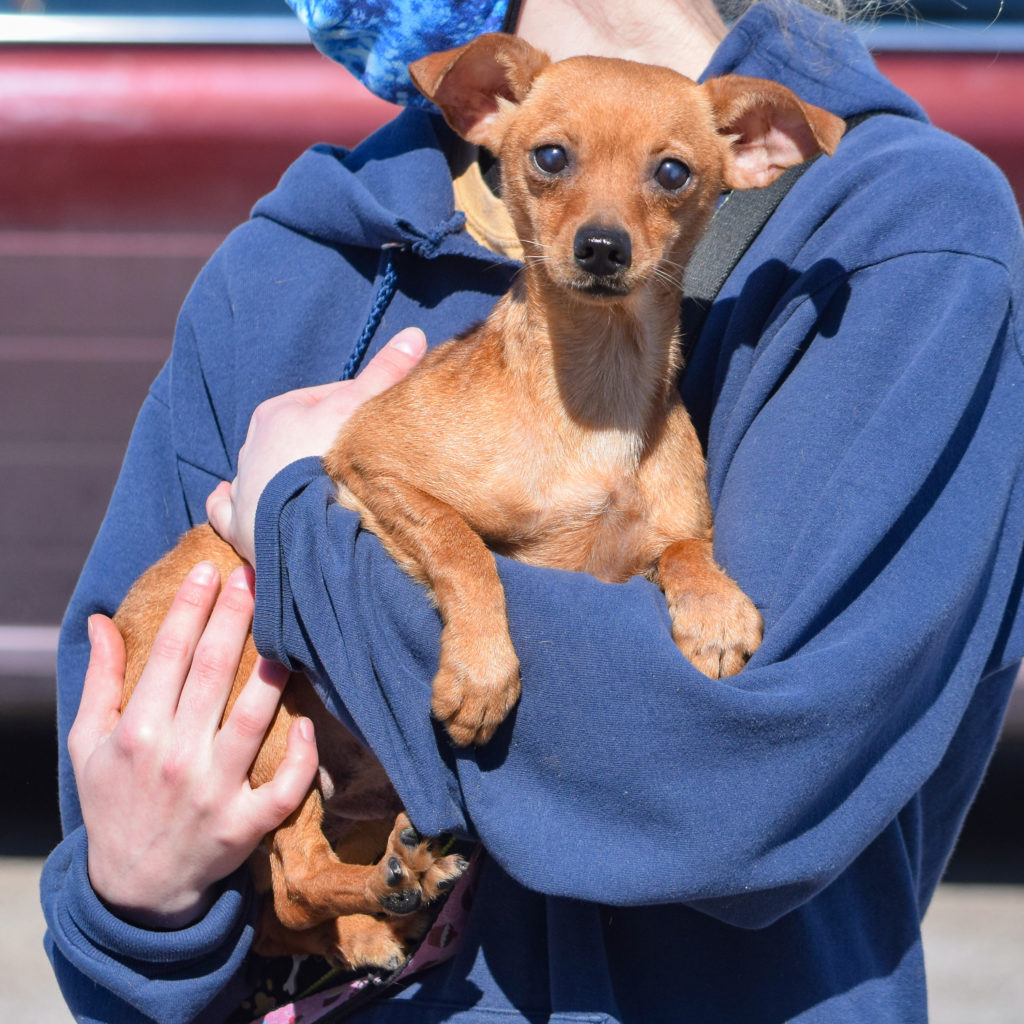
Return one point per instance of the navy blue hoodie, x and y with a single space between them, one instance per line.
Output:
660 846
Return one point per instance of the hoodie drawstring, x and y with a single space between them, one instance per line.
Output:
385 293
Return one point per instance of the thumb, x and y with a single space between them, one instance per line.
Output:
391 363
219 509
287 789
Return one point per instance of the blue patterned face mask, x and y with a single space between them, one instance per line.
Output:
377 39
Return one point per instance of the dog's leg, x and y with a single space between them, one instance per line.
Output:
357 939
477 683
311 885
350 942
713 622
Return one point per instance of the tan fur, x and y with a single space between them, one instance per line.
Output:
553 433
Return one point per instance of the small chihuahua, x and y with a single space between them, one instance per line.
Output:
571 449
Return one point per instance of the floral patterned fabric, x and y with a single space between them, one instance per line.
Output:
377 39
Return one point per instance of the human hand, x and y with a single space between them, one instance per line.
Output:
298 424
164 788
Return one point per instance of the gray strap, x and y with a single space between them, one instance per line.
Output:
737 222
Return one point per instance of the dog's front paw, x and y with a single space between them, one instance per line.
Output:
717 627
413 872
476 687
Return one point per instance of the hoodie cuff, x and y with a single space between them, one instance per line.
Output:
81 924
275 518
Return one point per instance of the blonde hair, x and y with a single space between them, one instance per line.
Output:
844 10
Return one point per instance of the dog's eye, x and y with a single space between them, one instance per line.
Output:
672 175
550 159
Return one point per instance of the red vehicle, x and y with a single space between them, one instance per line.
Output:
129 146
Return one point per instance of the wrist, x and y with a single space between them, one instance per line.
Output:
173 915
140 901
79 912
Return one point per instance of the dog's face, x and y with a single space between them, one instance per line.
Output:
611 169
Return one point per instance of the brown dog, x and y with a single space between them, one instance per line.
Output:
571 449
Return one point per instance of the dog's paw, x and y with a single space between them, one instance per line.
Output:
360 941
413 872
349 941
475 688
718 628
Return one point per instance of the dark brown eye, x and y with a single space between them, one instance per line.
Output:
672 175
551 159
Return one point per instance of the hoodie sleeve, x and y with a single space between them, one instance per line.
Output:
107 970
112 971
869 497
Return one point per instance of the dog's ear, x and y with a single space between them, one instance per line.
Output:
768 127
471 83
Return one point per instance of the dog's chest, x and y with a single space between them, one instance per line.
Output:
590 517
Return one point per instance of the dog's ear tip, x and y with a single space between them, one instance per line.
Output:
469 82
829 130
428 72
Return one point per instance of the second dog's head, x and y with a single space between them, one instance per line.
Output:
611 169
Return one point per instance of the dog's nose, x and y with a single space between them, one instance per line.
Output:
602 251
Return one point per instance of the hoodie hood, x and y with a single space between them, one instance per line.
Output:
821 60
395 188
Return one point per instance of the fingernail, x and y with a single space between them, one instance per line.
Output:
306 729
243 578
89 628
203 573
411 341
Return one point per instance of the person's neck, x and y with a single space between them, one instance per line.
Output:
680 34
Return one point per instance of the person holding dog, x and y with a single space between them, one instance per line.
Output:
660 846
